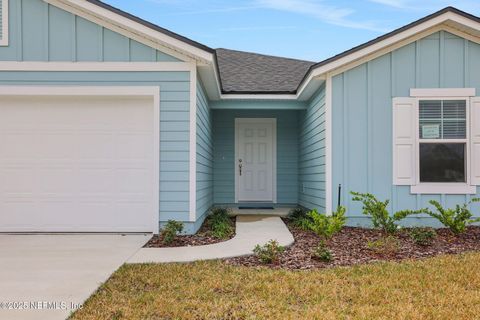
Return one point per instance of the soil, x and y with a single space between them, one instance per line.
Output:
350 247
202 237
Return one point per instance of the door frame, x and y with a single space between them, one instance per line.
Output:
273 121
152 92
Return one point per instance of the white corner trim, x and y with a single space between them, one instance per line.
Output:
442 92
328 146
193 147
96 66
5 31
108 91
443 188
132 29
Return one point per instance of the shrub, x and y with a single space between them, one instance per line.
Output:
170 231
269 252
298 218
422 236
377 211
322 253
456 219
385 245
219 223
326 226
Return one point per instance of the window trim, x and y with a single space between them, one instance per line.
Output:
442 187
5 32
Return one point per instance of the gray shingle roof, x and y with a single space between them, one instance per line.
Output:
245 72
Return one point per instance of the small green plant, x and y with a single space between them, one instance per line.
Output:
456 219
326 226
298 218
219 223
269 252
170 231
322 253
378 212
385 246
422 236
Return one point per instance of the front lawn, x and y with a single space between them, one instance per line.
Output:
445 287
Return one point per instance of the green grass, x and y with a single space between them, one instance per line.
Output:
446 287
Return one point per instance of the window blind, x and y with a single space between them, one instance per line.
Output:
442 119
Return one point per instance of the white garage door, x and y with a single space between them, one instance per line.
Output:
77 164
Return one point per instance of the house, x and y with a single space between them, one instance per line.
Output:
109 123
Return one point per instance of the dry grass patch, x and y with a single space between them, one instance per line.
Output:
446 287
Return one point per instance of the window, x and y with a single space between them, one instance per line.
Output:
442 141
436 141
3 22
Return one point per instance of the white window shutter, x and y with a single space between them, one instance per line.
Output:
475 141
404 139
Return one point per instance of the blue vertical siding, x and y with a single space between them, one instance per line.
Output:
204 154
311 162
362 116
42 32
224 152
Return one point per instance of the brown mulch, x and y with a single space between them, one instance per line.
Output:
201 238
349 247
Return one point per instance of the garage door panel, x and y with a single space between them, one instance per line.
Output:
134 146
54 180
94 145
103 177
83 164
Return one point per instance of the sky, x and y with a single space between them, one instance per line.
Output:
303 29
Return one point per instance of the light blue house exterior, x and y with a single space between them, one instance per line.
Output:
335 128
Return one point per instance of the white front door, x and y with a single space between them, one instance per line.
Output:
255 161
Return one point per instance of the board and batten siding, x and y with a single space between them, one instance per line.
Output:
204 155
224 153
42 32
362 117
311 163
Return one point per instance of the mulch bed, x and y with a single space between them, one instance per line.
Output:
349 247
201 238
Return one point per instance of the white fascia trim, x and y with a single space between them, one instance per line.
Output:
110 91
443 188
394 42
328 146
258 97
5 33
193 147
442 92
130 28
66 90
96 66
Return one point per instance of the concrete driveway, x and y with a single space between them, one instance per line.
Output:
57 273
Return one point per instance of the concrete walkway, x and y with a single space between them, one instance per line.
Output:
251 230
49 276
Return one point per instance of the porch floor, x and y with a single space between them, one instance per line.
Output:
250 231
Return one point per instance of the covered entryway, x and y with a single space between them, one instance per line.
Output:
79 159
